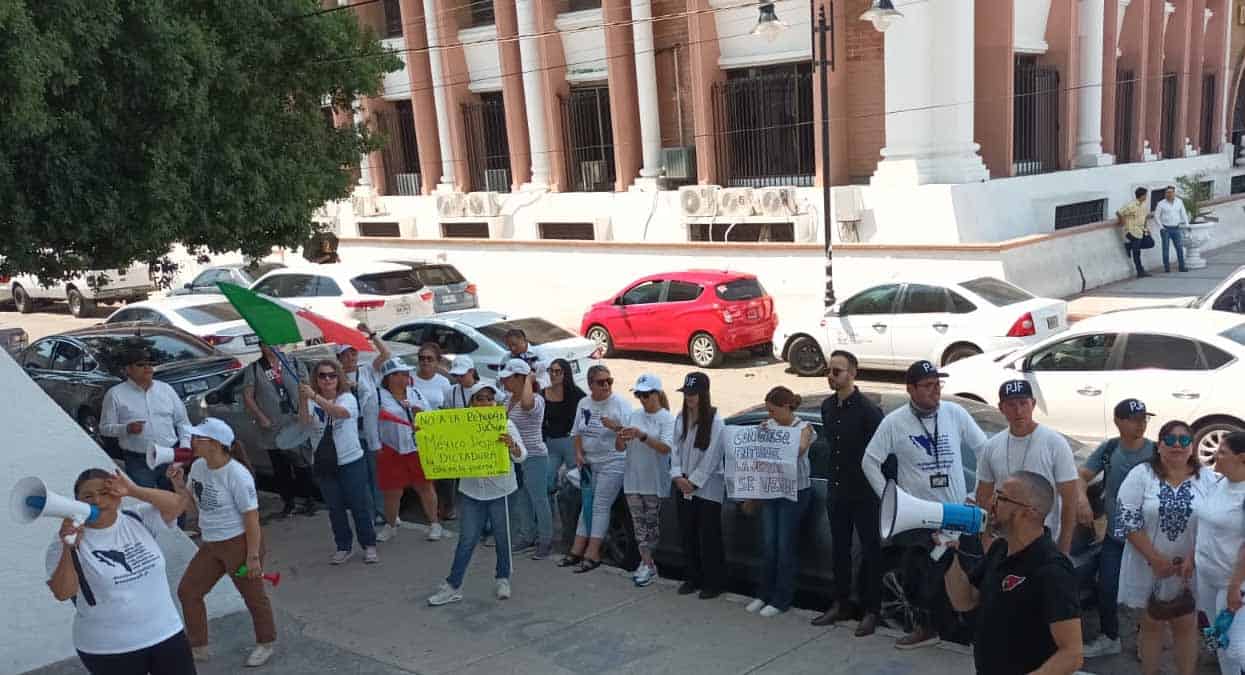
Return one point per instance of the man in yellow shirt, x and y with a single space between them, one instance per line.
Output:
1133 218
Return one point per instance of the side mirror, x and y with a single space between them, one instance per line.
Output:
188 285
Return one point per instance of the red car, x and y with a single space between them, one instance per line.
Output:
701 313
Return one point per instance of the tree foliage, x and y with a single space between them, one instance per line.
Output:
129 125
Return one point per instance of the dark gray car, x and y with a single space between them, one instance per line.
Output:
237 274
451 291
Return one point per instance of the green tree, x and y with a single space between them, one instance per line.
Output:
129 125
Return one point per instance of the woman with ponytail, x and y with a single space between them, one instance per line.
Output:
223 488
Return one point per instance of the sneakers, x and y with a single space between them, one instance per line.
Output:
445 595
340 557
503 589
260 655
770 610
543 551
200 654
369 556
1101 646
644 575
921 637
435 532
755 606
386 533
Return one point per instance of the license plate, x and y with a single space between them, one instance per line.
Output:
195 386
754 314
1052 322
403 308
449 299
251 339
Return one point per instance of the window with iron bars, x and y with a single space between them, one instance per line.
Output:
488 146
1035 129
589 139
393 19
400 153
1125 116
1080 213
482 13
1238 184
764 118
1167 132
1207 139
761 232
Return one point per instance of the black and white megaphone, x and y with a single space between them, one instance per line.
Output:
902 512
32 499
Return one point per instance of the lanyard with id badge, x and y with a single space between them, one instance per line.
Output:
938 480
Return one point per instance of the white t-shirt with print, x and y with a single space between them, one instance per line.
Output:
222 496
926 470
436 389
598 441
1044 452
345 431
367 383
1220 530
125 571
393 432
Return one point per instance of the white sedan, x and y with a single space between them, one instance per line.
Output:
891 325
379 294
208 317
1185 364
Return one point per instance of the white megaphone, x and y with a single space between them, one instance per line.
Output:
157 455
32 499
902 512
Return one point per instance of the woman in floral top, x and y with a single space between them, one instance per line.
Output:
1156 505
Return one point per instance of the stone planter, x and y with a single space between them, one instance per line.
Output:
1196 236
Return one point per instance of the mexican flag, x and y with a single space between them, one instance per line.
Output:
280 323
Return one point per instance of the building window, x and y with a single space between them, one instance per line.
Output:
400 152
764 118
393 19
575 231
1035 129
482 13
1167 134
760 232
1080 213
564 6
369 229
1208 113
464 230
1238 184
589 139
1125 116
488 148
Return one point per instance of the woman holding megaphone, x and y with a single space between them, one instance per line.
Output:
125 621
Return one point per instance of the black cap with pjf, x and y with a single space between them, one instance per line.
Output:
1015 389
1130 408
695 383
922 370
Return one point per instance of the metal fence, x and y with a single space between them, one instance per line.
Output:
1035 141
765 129
1125 116
1167 134
400 153
488 146
1207 140
589 139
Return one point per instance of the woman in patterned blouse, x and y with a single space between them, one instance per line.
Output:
1156 505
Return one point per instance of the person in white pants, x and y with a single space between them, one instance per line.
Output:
1220 554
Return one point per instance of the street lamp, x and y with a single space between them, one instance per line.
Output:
882 13
768 26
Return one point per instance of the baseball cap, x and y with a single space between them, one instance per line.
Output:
214 429
1015 389
921 370
394 365
1130 407
342 349
647 382
514 367
479 387
695 383
461 365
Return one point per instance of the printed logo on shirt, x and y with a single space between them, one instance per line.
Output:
1011 582
925 443
197 488
939 453
587 416
136 560
112 559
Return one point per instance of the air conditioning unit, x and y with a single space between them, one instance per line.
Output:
849 203
735 202
698 200
408 184
497 180
482 205
593 174
365 203
679 164
774 201
451 204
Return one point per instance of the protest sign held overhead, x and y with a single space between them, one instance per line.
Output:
462 443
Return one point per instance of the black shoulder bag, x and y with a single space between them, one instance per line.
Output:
324 462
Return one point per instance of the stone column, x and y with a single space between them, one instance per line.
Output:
533 94
929 97
646 94
439 94
1089 99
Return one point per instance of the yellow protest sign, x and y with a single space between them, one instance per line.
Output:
462 443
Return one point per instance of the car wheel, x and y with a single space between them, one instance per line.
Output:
1206 439
22 300
79 306
618 548
703 350
957 352
805 357
602 338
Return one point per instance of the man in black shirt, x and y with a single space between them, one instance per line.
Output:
848 421
1029 618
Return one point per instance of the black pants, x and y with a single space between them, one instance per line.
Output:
290 480
860 516
171 657
700 526
1133 245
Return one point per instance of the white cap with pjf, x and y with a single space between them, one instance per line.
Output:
215 429
646 383
394 365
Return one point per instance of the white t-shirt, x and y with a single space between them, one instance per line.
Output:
436 390
1044 452
648 471
345 431
395 428
222 496
598 442
124 569
367 383
927 470
495 487
1220 530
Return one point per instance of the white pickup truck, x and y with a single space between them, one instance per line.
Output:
84 291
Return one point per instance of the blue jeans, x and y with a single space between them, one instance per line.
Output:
378 500
561 453
1109 559
533 521
780 525
136 468
1176 236
348 490
472 514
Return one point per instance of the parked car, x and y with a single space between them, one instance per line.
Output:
702 313
76 368
379 294
84 291
240 274
480 334
890 325
450 289
224 401
1227 296
1184 363
210 318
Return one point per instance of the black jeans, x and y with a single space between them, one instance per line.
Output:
1133 245
700 527
923 578
860 516
290 480
171 657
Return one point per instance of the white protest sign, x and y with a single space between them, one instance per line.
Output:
761 462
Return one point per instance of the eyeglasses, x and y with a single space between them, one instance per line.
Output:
604 382
644 394
1000 497
327 376
426 359
837 371
1184 440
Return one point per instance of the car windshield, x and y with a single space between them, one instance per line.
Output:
110 349
1235 334
386 283
740 289
201 315
538 331
439 275
996 291
250 273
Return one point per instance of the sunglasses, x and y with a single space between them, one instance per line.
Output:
645 394
1000 497
327 376
605 382
1183 440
